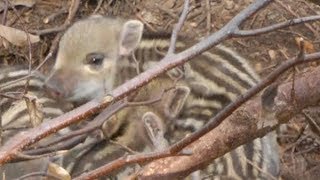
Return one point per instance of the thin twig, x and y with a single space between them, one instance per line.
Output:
170 13
5 12
98 7
67 144
34 174
72 12
150 101
208 17
177 28
53 48
54 15
126 148
288 8
254 32
260 169
29 45
311 122
23 157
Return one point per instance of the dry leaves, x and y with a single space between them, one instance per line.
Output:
58 171
34 109
16 36
308 46
272 54
26 3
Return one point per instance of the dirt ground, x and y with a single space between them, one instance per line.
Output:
300 146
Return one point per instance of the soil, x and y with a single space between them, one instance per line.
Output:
300 157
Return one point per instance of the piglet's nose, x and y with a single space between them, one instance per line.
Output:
53 91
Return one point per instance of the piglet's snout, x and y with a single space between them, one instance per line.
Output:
56 86
54 89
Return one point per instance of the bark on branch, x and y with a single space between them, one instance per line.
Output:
246 123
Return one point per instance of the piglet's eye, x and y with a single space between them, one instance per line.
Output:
95 59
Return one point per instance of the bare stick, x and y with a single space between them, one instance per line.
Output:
29 45
23 157
54 15
53 48
253 32
67 144
287 8
35 174
5 12
98 6
178 27
208 16
314 126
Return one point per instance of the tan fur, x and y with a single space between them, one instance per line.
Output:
94 35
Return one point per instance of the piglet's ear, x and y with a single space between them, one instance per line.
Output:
177 99
130 36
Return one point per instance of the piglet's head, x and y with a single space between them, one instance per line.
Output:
87 58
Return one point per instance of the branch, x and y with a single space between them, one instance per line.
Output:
253 32
178 27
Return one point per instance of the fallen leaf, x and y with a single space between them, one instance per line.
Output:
4 43
169 4
272 54
26 3
308 46
258 67
34 110
58 171
16 36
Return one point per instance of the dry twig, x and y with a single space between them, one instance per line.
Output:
177 28
72 12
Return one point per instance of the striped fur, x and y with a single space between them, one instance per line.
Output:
215 78
15 115
15 112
